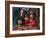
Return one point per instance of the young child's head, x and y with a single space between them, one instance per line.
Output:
26 17
31 16
19 22
31 13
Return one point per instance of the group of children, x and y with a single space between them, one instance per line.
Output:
28 22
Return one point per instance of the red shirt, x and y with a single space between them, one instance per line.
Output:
26 22
33 22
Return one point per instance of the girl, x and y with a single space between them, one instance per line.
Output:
32 19
19 19
26 22
18 26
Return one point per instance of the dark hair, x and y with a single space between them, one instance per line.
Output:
33 14
31 9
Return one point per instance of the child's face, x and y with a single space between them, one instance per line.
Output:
21 11
21 14
26 18
31 16
19 22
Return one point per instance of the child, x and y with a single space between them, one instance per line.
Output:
18 26
32 21
26 22
19 19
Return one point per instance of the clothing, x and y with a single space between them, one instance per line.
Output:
33 22
26 22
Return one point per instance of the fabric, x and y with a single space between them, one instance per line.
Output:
33 22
